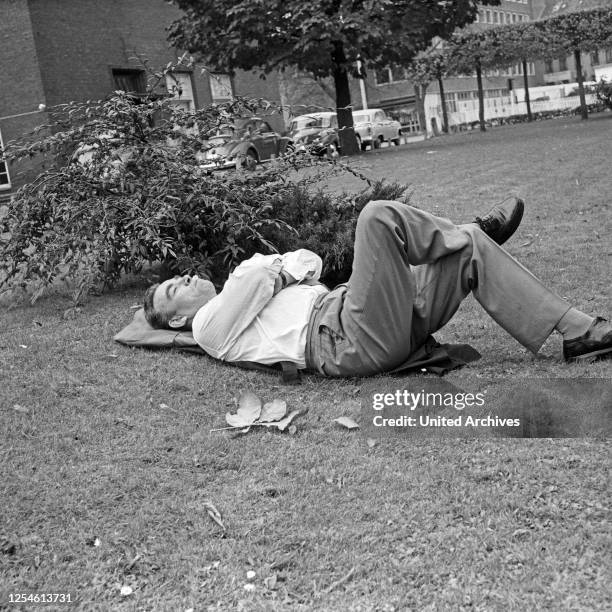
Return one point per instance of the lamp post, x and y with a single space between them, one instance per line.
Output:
362 89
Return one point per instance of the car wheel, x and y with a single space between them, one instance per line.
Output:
250 159
396 141
362 145
376 142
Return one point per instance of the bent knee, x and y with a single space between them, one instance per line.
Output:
379 209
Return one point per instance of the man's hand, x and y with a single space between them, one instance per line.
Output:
284 279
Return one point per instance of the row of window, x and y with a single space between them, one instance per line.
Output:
394 75
452 98
179 84
562 60
499 17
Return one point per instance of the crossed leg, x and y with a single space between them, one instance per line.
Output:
411 271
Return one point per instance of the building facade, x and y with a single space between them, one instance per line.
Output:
57 51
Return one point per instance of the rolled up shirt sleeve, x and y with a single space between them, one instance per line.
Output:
218 325
248 289
303 265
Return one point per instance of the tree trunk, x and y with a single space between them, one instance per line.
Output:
526 84
346 133
481 108
443 102
584 113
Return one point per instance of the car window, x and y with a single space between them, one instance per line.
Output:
361 117
264 127
380 116
334 121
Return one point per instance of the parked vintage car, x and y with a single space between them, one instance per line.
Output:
317 131
373 127
248 142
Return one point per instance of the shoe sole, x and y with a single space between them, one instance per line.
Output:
591 357
516 219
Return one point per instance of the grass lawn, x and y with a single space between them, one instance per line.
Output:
108 460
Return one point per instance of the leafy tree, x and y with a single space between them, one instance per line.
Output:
470 51
428 66
576 33
323 37
498 47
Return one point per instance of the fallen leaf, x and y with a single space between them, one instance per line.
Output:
371 442
251 575
214 514
274 410
22 409
126 590
249 586
284 423
249 409
292 430
346 422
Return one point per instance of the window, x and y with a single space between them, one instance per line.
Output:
464 95
221 89
562 63
489 20
383 76
548 66
609 56
129 80
594 58
5 179
180 87
495 17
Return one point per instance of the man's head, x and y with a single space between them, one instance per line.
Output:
173 303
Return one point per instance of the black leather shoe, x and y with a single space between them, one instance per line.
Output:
502 220
595 344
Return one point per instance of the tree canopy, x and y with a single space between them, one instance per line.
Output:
323 37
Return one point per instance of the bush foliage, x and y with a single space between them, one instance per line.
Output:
603 91
124 188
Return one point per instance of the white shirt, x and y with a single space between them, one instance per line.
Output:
247 322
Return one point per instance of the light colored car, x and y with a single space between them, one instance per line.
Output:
373 127
249 141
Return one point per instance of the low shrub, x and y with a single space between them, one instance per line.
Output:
124 188
603 90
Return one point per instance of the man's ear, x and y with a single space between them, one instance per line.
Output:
177 321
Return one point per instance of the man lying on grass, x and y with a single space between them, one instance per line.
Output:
411 270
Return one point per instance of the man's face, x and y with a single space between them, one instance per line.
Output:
182 296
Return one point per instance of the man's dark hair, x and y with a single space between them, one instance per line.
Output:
155 318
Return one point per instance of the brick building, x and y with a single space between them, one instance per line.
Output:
56 51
